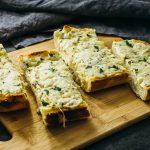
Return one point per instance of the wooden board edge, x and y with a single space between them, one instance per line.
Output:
112 131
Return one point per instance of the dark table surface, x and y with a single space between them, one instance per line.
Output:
135 137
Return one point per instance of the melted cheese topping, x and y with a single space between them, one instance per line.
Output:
88 56
136 56
10 80
52 82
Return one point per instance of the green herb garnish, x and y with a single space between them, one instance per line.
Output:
101 70
46 91
44 103
52 69
144 59
27 65
115 67
87 67
56 88
96 47
129 62
126 57
129 44
51 55
89 35
136 70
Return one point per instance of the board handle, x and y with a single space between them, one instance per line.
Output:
5 134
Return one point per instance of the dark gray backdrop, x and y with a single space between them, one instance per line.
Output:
25 22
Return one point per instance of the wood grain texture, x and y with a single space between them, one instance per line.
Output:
111 110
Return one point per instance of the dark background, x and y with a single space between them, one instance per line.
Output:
29 21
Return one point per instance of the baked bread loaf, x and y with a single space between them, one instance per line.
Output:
57 95
93 65
12 88
136 56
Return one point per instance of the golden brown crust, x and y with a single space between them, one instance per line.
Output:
104 82
35 54
97 84
42 53
70 115
14 102
140 41
145 96
117 79
148 95
68 28
38 53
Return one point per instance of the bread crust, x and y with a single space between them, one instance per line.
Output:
99 83
107 82
55 117
13 102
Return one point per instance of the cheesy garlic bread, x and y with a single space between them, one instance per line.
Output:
57 95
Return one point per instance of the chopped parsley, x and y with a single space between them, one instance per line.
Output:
101 70
51 55
46 91
129 62
129 44
96 47
52 69
136 70
144 59
115 67
87 67
27 65
44 103
56 88
89 35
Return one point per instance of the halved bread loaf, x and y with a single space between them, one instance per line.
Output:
93 65
57 95
12 88
135 55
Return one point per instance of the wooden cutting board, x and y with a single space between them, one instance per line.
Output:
111 110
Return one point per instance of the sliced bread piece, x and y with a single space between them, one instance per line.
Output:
136 56
93 65
12 87
57 95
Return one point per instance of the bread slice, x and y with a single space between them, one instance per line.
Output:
92 63
12 90
57 95
136 56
